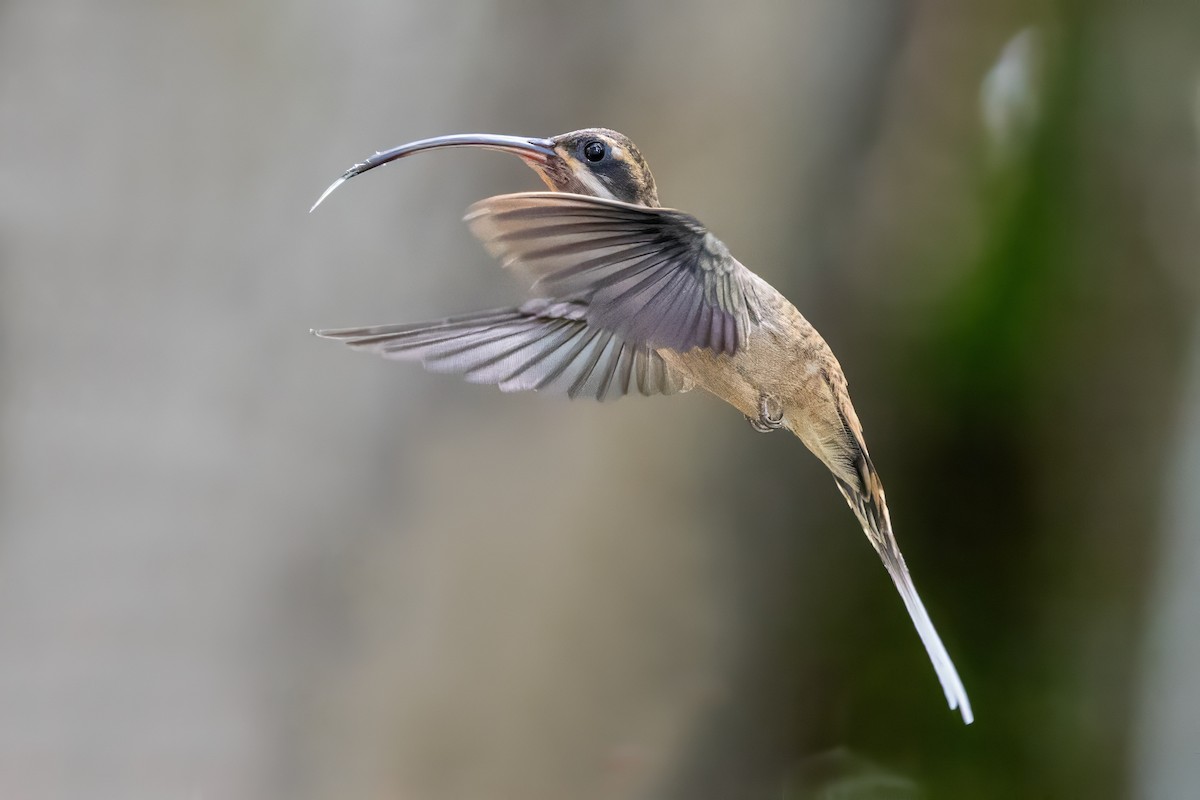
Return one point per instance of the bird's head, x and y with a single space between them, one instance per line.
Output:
593 161
599 162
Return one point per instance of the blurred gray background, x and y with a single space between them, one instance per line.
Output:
240 562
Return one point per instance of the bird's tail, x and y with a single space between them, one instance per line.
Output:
870 507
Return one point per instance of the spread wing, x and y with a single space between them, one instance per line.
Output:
543 345
650 275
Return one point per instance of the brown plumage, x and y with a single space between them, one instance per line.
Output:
634 297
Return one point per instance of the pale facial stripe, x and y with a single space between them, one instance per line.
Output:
589 179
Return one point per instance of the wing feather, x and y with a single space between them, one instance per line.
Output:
641 271
543 345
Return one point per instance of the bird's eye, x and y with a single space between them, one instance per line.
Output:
594 151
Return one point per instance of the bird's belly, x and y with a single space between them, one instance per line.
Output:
740 379
717 374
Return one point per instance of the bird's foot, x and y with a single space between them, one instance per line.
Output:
770 415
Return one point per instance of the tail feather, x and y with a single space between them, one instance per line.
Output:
870 507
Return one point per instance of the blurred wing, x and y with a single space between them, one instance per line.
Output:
542 346
650 275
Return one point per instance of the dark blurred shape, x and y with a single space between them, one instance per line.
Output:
841 775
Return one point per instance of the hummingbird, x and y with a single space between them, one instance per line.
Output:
629 297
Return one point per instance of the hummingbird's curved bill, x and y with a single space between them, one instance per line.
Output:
537 151
632 297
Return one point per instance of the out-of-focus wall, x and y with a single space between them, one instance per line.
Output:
241 562
1164 760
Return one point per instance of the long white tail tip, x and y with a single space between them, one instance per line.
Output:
956 694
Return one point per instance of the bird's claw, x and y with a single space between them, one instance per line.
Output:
766 421
759 426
